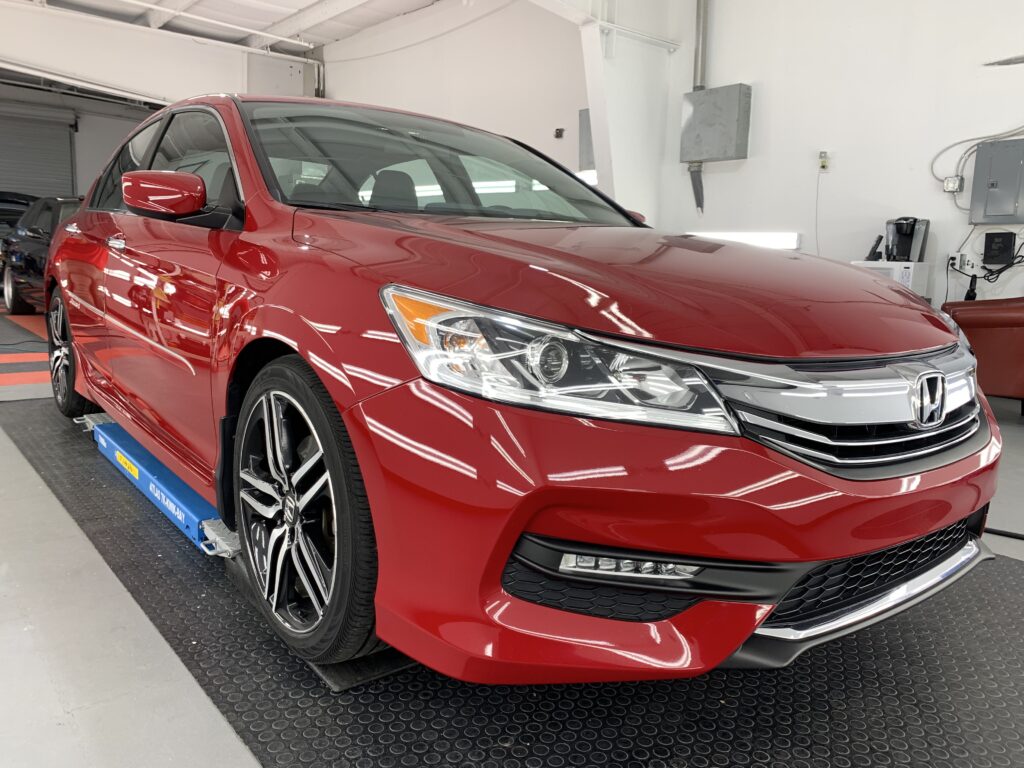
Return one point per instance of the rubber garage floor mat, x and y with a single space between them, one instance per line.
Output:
941 685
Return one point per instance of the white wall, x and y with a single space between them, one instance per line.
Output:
880 84
117 57
512 68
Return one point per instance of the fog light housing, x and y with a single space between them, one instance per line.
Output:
622 568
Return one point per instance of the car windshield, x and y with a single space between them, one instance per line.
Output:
354 158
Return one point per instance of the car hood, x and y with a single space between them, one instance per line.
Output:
639 282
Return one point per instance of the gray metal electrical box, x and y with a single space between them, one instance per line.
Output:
586 142
998 173
716 124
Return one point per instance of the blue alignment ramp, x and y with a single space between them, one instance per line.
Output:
179 503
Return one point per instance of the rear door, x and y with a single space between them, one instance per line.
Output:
162 325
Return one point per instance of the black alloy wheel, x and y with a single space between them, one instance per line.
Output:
302 516
63 369
15 304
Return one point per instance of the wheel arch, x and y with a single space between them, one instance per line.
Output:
351 364
251 359
48 288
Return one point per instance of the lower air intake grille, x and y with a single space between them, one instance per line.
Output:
840 586
609 602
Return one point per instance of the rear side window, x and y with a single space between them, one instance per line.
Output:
108 191
195 143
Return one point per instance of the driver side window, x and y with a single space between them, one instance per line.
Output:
108 192
195 143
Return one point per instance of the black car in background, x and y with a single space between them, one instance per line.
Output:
12 207
25 248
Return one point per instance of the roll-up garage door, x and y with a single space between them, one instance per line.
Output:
36 156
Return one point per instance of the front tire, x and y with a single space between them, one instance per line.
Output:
303 520
15 304
63 369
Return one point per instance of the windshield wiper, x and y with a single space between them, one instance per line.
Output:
519 214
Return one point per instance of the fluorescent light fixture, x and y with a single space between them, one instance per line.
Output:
588 176
785 241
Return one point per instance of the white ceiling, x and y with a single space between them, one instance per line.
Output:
311 21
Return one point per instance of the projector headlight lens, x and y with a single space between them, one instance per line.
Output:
514 359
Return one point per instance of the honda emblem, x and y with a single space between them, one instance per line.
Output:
930 400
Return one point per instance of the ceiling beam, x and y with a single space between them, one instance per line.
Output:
156 19
316 13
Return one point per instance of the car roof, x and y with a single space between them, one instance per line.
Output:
222 99
17 198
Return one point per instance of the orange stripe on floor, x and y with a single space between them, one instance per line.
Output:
24 357
32 323
28 377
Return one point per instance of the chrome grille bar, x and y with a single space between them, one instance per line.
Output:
858 414
886 459
778 426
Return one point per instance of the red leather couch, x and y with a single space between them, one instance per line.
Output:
995 328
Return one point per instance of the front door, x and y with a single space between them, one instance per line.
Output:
162 324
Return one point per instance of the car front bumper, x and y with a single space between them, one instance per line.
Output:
454 482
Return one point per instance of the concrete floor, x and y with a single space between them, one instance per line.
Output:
85 678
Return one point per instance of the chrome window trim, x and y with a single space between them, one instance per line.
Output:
165 117
899 597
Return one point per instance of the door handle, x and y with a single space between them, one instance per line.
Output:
117 243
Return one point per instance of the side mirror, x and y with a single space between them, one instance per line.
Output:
36 233
638 217
165 194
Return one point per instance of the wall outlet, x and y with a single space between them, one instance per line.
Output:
966 261
953 184
824 160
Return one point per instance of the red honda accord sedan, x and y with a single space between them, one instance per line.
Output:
457 401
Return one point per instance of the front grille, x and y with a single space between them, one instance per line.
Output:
609 602
842 585
859 444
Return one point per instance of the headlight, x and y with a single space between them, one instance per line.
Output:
514 359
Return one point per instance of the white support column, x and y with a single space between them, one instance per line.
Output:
627 51
628 92
592 38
